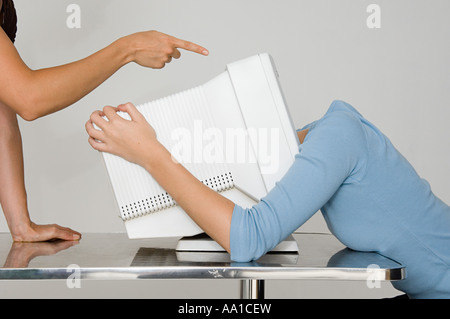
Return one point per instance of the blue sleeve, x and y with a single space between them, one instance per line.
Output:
330 155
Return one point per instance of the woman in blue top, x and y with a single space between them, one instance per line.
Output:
370 196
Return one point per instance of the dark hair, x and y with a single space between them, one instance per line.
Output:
8 19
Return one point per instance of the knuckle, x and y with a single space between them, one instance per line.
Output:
53 230
165 38
190 46
160 65
169 50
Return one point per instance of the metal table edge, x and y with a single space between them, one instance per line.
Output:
199 272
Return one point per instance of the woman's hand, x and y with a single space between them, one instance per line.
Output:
30 232
132 139
52 89
136 142
154 49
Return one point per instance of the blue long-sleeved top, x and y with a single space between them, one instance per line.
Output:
370 196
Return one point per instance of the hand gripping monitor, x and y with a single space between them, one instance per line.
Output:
233 133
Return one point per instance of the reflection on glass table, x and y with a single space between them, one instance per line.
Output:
115 257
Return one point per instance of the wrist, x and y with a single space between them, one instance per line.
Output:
155 155
126 49
20 229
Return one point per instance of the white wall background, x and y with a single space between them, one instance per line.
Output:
397 76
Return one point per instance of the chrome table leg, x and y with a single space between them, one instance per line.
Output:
252 289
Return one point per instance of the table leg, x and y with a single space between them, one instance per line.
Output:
252 289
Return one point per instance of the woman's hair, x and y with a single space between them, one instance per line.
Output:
8 19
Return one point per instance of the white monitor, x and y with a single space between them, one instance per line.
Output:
234 133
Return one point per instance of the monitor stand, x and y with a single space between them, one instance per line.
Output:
204 243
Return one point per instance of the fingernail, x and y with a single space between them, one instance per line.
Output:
76 237
205 52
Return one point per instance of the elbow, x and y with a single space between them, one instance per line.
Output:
247 240
248 253
29 107
245 257
28 116
28 99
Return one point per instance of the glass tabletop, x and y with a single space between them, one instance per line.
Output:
114 256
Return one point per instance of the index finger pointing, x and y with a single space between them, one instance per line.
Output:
190 46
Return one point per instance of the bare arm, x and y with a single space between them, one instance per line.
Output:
210 210
13 196
36 93
136 141
33 94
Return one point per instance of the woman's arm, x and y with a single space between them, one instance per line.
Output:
136 141
36 93
325 161
13 197
211 211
